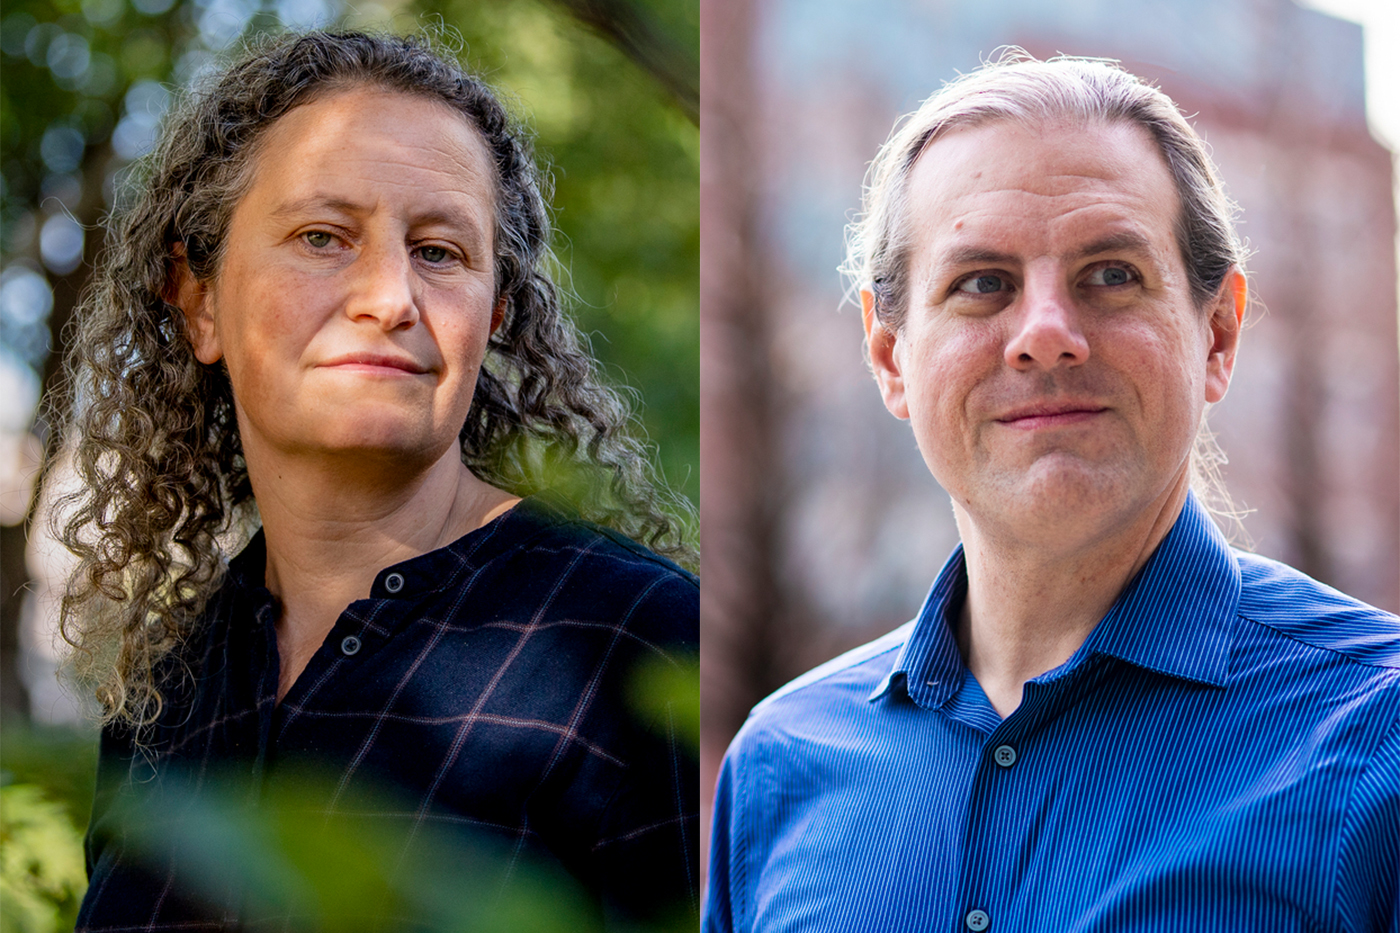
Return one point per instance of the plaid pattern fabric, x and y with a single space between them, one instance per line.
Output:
487 689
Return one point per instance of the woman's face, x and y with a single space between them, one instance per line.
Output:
355 297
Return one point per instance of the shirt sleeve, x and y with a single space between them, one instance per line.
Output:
115 755
645 861
1368 878
718 916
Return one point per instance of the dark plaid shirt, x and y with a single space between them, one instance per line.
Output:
488 686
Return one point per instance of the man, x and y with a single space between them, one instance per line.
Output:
1102 717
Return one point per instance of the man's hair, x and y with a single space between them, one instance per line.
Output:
155 438
1018 87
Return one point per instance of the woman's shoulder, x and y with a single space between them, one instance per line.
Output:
561 565
545 531
547 522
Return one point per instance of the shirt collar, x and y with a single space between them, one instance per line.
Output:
1173 618
249 568
437 569
929 668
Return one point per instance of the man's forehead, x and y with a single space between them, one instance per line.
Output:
1062 187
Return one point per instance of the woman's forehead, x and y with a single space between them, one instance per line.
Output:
361 131
362 148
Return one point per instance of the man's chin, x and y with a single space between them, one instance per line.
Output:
1059 492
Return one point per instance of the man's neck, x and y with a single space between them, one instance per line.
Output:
329 531
1031 604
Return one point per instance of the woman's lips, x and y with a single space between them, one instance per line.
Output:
376 363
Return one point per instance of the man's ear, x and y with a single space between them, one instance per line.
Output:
881 341
1226 322
193 298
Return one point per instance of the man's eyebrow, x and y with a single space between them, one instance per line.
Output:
1122 241
975 255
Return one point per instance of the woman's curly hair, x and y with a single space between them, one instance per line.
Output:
156 443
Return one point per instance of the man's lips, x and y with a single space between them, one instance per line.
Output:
1051 415
377 362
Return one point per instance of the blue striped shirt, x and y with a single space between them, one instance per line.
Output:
1222 752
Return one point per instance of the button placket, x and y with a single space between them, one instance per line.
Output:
989 815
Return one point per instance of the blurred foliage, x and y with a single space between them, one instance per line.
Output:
340 874
42 879
47 775
609 88
346 869
667 695
62 759
363 864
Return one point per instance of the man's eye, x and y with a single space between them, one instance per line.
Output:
434 255
1110 275
984 284
317 239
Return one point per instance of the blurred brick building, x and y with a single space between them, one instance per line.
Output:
822 527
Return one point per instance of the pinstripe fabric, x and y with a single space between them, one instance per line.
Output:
488 689
1223 752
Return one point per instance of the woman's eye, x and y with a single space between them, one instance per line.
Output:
434 255
984 284
317 239
1110 275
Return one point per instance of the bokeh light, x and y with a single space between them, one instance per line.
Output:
61 244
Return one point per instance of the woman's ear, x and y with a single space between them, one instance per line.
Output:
498 313
194 300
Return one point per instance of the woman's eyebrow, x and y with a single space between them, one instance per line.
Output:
461 220
318 202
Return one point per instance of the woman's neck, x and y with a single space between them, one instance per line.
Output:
329 531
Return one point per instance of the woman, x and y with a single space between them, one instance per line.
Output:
327 312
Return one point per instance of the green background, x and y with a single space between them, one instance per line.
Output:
609 86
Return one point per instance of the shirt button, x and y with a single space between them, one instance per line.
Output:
393 582
977 920
1005 756
349 645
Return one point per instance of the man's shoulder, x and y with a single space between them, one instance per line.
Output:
828 696
1311 613
857 672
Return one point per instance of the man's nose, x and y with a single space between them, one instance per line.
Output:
1048 329
384 288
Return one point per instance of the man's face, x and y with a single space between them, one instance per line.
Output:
356 293
1052 362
